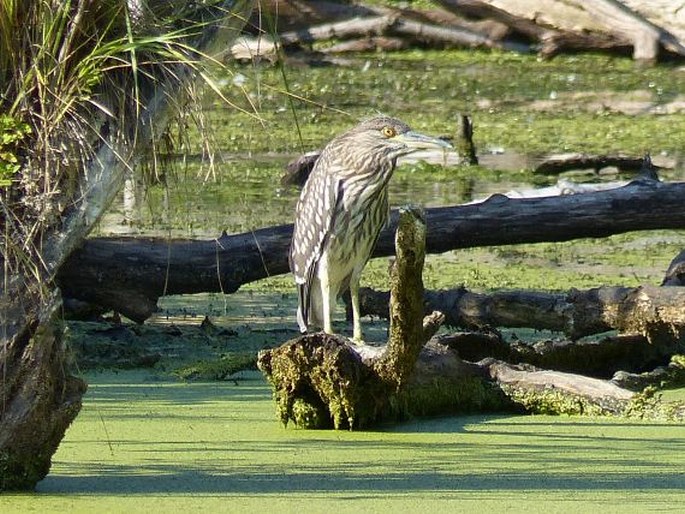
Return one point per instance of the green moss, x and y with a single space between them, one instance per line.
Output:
218 369
651 405
550 401
444 396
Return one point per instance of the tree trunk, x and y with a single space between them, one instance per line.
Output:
39 398
130 274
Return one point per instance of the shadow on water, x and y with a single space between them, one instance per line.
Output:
243 451
121 480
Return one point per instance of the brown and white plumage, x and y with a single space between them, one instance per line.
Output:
342 209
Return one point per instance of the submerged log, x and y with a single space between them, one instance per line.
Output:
130 274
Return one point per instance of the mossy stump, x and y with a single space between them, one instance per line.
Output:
322 380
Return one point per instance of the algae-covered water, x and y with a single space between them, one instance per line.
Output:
141 445
146 440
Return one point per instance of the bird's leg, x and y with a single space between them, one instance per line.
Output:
356 318
326 302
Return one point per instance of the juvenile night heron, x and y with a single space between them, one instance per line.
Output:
341 211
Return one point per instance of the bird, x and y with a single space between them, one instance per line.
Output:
340 212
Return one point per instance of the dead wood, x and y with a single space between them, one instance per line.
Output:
675 274
368 44
655 313
397 24
574 25
559 163
346 29
130 274
601 358
407 333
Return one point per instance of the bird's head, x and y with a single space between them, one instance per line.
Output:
383 137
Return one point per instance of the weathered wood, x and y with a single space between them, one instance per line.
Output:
574 24
559 163
130 274
368 44
351 28
655 313
552 40
406 336
675 274
601 358
554 392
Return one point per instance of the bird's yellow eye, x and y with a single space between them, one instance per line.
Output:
388 132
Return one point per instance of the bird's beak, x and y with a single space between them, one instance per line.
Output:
417 141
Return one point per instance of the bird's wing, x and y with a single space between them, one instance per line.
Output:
316 211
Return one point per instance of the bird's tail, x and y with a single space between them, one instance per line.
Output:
310 306
302 307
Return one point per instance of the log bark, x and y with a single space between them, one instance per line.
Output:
559 163
130 274
602 358
649 311
39 398
675 274
576 24
438 29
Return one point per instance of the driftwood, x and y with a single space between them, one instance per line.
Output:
551 26
398 23
559 163
607 357
573 24
130 274
653 312
321 380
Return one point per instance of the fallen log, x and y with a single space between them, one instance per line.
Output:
368 44
552 40
653 312
438 29
129 274
346 29
575 24
601 358
675 274
559 163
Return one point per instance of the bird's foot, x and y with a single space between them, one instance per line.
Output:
358 341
